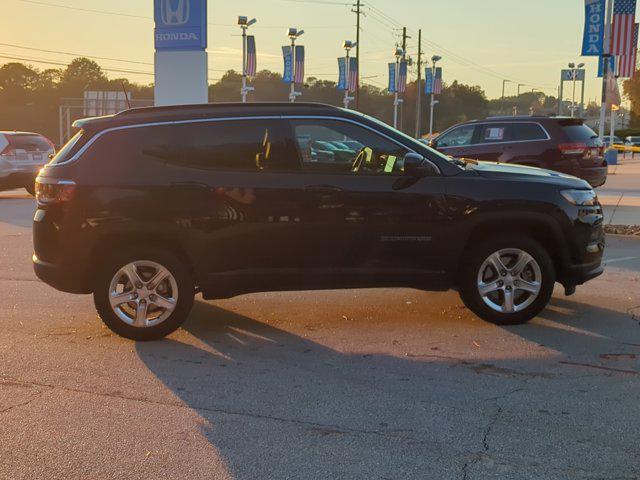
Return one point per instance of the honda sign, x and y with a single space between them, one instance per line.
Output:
180 24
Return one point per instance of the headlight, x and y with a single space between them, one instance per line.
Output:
582 198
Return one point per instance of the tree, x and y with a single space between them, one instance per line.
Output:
82 74
631 89
17 81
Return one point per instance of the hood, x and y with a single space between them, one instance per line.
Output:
505 171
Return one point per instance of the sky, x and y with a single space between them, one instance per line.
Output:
481 42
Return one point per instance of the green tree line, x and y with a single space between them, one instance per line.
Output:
30 97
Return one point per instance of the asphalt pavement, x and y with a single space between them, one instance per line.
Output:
355 384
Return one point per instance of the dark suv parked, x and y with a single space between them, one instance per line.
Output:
148 207
562 144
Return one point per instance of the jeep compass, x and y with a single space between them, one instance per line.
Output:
148 207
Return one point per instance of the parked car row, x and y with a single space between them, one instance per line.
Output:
560 144
22 155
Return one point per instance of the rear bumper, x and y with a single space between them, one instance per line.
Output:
61 277
595 176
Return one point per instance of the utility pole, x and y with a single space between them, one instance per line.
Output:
358 12
504 82
419 88
515 107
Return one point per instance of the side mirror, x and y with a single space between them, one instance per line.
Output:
415 165
433 143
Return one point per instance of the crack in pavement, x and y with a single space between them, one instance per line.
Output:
22 404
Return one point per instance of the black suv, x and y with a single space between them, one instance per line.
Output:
562 144
146 208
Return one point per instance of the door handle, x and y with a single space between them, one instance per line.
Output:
327 197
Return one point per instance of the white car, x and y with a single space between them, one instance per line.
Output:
22 155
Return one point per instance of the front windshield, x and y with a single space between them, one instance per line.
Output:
415 144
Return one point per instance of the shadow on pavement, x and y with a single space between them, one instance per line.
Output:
277 405
17 211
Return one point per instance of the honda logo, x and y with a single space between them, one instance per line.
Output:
175 12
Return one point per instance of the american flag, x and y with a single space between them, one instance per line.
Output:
252 61
624 18
299 75
437 83
353 74
627 63
402 77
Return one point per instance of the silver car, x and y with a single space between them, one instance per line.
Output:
22 155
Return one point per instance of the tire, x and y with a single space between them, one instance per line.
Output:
31 188
479 272
174 293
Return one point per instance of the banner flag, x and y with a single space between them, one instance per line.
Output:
353 74
252 60
627 63
601 62
437 84
287 53
392 78
342 73
624 19
402 77
428 83
299 75
593 39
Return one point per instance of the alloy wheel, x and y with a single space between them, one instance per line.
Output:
509 280
143 294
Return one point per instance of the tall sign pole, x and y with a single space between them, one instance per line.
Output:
606 48
245 24
358 12
181 62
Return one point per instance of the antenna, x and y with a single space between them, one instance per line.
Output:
126 96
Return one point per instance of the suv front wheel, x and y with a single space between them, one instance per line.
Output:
507 281
144 294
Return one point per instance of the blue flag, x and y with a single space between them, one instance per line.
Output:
392 78
342 73
287 53
593 39
428 81
601 62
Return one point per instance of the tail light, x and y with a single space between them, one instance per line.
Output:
573 148
50 192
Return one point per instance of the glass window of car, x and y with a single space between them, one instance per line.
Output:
247 145
458 137
344 147
578 132
528 132
495 133
69 149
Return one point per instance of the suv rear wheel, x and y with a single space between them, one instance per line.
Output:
508 281
144 294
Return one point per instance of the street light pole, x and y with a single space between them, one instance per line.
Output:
348 45
396 100
245 24
293 35
605 67
434 60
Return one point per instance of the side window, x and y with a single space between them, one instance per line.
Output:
528 131
495 133
342 147
458 137
249 145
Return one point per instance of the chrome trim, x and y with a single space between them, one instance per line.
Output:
495 143
93 139
54 181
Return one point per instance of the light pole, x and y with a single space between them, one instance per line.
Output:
399 53
574 77
434 60
515 107
244 25
293 34
504 83
348 45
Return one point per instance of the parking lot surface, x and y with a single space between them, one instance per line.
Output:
356 384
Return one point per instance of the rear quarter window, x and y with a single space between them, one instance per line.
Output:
70 148
528 132
578 132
